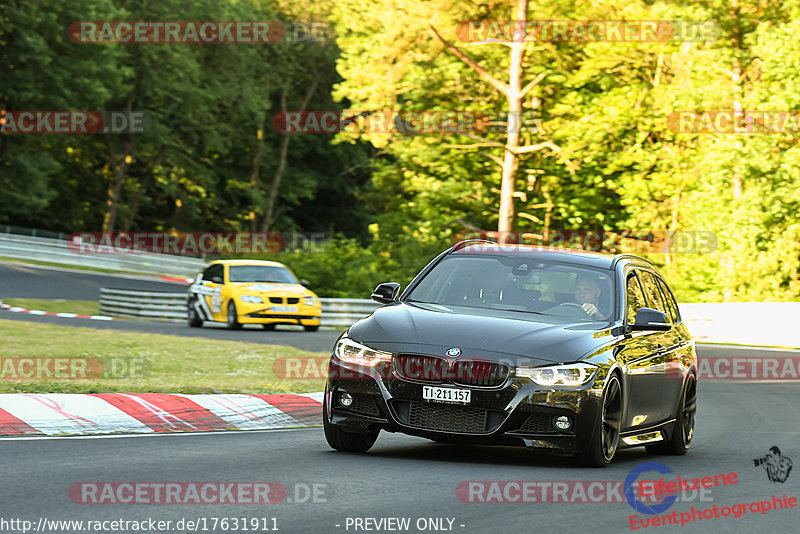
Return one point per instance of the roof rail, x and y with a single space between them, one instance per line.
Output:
620 257
467 242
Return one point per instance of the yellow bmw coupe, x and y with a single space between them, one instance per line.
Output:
240 292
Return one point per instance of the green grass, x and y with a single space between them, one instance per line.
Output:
178 364
81 307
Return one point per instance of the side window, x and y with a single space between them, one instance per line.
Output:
212 271
633 297
669 300
652 292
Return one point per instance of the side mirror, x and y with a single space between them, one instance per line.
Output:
217 279
650 319
304 282
386 293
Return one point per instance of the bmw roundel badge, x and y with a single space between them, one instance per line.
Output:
453 352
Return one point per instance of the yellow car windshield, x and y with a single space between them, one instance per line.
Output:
261 273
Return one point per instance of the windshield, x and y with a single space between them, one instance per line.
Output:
519 284
261 273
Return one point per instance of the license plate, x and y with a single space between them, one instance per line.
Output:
450 395
285 309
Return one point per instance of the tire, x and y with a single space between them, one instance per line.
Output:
233 316
682 435
270 326
311 328
605 440
192 318
344 441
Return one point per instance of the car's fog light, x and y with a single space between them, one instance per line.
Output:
562 422
345 399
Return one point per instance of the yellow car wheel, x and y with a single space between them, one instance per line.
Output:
233 316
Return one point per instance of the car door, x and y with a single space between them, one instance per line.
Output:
212 290
667 344
644 377
681 356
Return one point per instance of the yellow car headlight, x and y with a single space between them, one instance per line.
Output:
311 300
251 299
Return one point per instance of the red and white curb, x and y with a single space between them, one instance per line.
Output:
17 309
68 414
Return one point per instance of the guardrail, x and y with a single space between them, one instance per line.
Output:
155 305
171 307
56 251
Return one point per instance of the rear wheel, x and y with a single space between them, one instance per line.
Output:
606 436
192 317
682 435
233 316
344 441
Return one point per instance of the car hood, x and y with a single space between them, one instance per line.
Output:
271 287
479 333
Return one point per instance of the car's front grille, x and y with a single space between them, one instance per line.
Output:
467 372
447 418
480 373
292 300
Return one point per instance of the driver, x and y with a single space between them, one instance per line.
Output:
587 294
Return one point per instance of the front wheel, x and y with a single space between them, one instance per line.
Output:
604 443
344 441
681 438
233 316
192 318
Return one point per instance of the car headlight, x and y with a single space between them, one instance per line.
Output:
348 350
251 299
311 300
573 374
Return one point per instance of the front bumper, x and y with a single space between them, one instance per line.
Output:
261 313
518 412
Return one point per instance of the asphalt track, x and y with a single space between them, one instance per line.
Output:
34 282
410 477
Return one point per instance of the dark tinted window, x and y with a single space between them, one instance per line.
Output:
634 297
212 271
651 291
669 300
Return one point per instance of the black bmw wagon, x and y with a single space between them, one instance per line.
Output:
571 353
